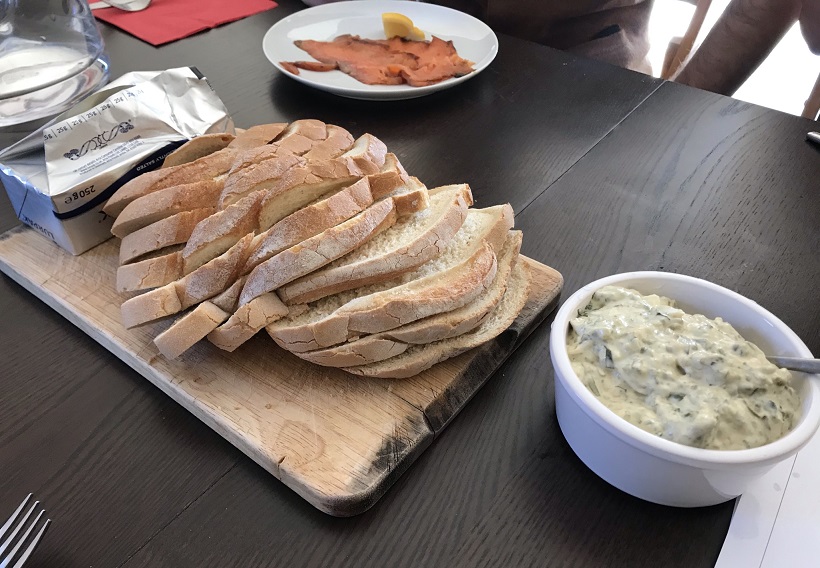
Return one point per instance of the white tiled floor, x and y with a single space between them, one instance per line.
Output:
782 82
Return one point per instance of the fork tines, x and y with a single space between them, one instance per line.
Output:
11 546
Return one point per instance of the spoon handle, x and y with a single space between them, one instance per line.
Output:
797 364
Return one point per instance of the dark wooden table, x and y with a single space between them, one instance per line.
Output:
607 170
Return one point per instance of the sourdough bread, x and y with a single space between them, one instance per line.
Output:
196 148
319 250
219 232
163 203
202 284
172 230
190 328
418 358
204 169
445 283
325 213
381 346
247 321
409 243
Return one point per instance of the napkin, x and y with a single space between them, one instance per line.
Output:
169 20
777 521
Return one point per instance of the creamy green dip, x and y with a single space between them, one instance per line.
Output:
683 377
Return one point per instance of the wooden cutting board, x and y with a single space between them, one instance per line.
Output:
338 440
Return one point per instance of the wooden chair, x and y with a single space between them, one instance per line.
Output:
812 108
680 47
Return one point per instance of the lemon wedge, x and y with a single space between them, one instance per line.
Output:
399 25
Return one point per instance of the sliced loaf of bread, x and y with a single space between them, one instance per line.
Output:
418 358
381 346
409 243
454 278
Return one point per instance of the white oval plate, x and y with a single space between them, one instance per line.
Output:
472 38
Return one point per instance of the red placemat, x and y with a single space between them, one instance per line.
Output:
169 20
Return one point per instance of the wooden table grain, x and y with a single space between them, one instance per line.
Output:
607 170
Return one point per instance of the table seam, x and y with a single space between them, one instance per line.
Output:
595 145
175 517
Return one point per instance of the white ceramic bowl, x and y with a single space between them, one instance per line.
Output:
650 467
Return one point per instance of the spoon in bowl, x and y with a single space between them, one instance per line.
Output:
797 364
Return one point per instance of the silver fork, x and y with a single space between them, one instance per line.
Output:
7 557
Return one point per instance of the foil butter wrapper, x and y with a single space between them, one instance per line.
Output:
107 140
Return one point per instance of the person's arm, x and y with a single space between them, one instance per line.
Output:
810 24
741 39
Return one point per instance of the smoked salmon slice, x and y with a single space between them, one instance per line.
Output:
384 62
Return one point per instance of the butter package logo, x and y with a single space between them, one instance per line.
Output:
89 152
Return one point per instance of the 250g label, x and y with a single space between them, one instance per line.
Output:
81 194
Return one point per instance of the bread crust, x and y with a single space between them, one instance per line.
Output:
204 169
150 273
189 329
419 358
391 308
247 320
258 135
319 250
381 346
196 148
346 276
220 231
204 283
172 230
163 203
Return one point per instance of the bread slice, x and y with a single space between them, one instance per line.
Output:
172 230
163 203
229 299
247 321
259 164
258 135
385 309
337 142
418 358
219 232
308 127
202 284
204 169
326 323
325 213
409 243
255 170
302 186
189 329
319 250
255 173
196 148
365 151
150 273
381 346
